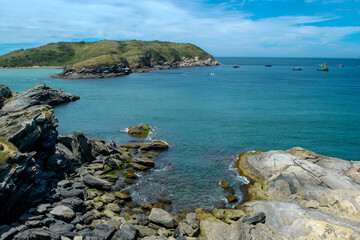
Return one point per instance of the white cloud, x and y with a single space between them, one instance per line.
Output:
222 33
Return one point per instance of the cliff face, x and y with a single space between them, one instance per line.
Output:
27 139
109 58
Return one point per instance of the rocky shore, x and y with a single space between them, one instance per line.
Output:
70 187
122 68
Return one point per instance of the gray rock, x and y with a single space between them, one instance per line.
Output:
62 149
103 232
37 233
61 227
81 148
185 229
39 95
193 220
75 203
64 184
9 235
96 182
127 231
66 140
145 231
154 145
145 161
160 216
142 219
63 212
255 218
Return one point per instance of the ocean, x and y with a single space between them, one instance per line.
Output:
209 119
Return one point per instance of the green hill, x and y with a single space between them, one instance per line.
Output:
83 59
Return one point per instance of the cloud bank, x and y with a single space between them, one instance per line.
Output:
221 29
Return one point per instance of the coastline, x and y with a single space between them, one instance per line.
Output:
292 194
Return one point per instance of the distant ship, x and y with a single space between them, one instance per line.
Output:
324 68
236 66
297 69
268 65
340 65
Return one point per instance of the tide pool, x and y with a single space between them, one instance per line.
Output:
209 119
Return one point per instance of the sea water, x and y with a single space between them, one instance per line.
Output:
210 118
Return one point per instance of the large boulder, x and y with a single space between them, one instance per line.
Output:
39 95
63 212
127 231
141 130
163 218
309 195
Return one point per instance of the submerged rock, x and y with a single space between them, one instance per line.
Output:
141 130
154 145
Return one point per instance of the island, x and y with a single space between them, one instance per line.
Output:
108 58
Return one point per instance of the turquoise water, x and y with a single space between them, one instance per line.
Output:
207 120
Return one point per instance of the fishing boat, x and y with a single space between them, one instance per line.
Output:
340 65
297 69
324 68
267 65
236 66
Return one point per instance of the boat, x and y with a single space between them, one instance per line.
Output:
236 66
340 65
212 74
267 65
324 68
297 69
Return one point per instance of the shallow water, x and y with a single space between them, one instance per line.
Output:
207 119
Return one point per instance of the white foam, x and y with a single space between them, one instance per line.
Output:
125 130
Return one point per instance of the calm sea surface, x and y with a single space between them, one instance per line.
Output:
207 120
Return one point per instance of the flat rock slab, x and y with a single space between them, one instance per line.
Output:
96 182
63 212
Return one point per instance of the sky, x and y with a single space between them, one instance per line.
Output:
244 28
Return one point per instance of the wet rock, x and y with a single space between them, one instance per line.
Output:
143 161
164 201
96 182
140 130
160 216
63 212
154 145
225 185
231 199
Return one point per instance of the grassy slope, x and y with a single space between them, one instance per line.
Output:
80 53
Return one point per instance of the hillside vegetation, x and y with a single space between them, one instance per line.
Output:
80 54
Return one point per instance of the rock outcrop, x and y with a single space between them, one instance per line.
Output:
27 137
140 130
39 95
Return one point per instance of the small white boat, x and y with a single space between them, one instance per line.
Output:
212 74
340 65
297 69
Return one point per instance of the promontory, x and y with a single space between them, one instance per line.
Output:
108 58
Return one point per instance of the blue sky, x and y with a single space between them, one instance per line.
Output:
245 28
